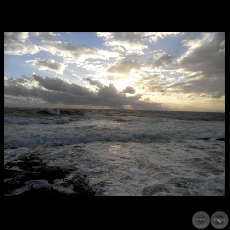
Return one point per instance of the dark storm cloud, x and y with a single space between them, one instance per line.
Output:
57 93
217 95
129 89
58 84
94 83
108 91
91 81
55 90
16 87
205 60
200 86
206 57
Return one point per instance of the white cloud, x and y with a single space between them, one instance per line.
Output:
133 41
195 71
161 60
222 43
17 43
49 64
124 67
75 52
45 35
203 95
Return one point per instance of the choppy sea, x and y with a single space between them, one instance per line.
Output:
125 152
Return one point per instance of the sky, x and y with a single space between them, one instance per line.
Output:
171 71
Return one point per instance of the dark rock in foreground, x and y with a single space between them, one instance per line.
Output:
206 138
221 139
9 147
30 176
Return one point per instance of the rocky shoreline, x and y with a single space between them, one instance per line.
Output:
29 176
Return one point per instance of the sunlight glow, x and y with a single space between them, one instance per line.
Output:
127 106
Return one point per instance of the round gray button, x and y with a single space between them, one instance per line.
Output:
219 220
201 220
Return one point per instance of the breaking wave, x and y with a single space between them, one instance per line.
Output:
22 121
90 135
53 111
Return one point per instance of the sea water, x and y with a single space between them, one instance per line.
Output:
125 152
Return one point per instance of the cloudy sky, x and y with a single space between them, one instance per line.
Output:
130 70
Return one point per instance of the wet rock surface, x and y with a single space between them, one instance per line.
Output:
30 176
221 139
9 147
207 138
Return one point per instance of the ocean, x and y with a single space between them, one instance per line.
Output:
125 152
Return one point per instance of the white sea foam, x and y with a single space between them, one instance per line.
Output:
138 155
53 111
23 121
85 131
65 120
144 169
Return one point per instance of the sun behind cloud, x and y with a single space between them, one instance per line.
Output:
173 70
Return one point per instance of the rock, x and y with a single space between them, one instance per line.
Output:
80 185
220 139
155 189
9 147
30 176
